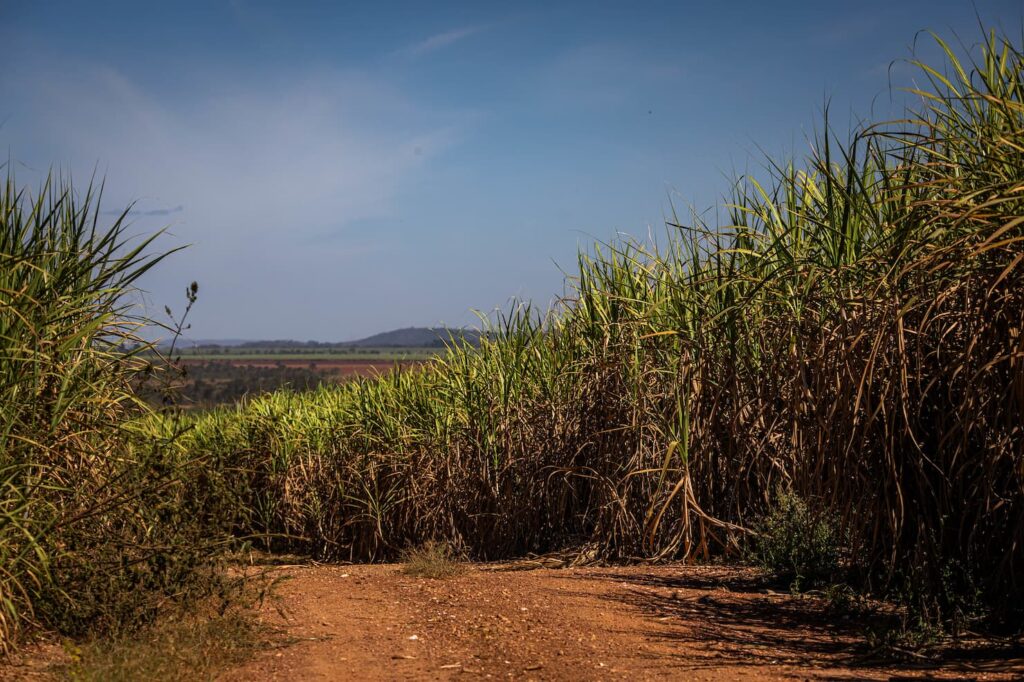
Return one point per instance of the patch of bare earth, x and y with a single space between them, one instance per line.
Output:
679 622
34 661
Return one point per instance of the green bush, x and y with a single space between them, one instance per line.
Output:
796 544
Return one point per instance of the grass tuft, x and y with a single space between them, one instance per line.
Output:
431 560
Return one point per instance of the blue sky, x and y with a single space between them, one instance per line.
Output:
341 169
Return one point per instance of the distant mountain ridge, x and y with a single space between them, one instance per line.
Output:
407 337
416 337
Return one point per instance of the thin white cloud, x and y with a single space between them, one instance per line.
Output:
331 147
439 41
248 172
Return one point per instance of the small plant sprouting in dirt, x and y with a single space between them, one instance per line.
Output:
928 620
844 600
795 543
432 559
905 640
959 604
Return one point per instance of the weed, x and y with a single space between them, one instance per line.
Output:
795 543
431 560
903 639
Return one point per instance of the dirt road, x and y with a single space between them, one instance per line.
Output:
693 623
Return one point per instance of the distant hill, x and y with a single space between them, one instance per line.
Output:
409 337
416 337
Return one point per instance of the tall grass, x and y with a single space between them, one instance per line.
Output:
92 531
854 336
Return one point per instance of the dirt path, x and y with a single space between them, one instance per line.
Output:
373 623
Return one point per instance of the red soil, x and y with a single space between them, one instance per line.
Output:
676 622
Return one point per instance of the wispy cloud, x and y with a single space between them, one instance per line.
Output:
150 212
439 41
164 211
250 170
330 147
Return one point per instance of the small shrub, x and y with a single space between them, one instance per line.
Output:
431 560
795 543
956 605
905 640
